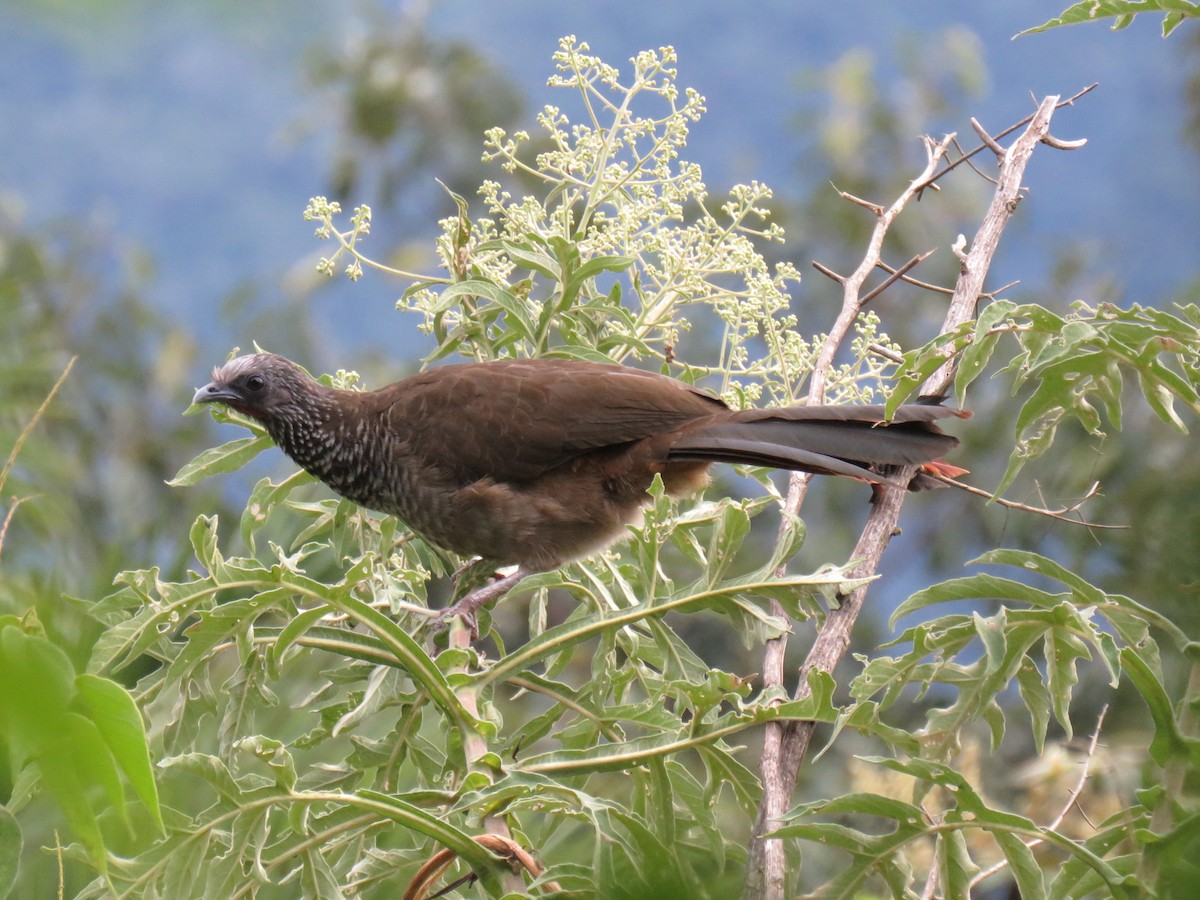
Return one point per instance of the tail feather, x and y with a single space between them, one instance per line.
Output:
775 456
833 440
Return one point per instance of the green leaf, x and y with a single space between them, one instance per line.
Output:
955 866
517 310
265 497
1063 648
218 460
973 587
71 766
116 716
10 851
975 356
432 825
1168 742
210 769
1037 701
1121 12
402 646
1026 871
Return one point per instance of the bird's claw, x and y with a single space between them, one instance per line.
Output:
468 606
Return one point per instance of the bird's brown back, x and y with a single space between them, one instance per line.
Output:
541 461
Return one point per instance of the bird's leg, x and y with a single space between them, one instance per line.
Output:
469 604
473 574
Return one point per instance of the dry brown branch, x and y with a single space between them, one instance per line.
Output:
8 517
828 272
32 423
915 282
504 847
785 745
894 277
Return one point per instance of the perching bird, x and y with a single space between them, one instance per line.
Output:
542 461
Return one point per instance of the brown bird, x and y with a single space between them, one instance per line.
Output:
541 461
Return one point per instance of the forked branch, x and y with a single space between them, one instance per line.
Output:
786 744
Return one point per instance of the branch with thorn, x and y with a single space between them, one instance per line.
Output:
785 745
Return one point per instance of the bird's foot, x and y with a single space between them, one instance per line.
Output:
469 605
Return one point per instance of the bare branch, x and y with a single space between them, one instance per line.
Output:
1061 514
936 288
974 168
895 276
887 353
988 140
859 201
785 745
828 272
1059 144
977 261
1070 101
931 881
766 872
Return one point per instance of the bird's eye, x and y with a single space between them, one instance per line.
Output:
256 383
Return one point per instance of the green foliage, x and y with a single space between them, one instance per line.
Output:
317 735
80 731
1122 13
1073 362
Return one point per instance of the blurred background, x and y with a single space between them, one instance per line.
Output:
156 158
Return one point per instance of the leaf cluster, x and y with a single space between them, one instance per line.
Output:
316 734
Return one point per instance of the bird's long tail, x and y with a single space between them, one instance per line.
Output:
853 441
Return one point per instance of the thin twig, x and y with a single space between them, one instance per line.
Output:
988 141
916 282
886 352
974 168
1070 101
1061 514
828 272
859 201
8 517
895 276
32 423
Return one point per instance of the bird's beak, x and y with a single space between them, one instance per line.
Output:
215 393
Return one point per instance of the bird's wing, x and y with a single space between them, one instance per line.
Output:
513 420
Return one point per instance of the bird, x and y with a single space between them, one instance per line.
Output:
540 462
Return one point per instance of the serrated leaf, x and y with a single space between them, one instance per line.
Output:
1037 701
975 356
1121 12
517 311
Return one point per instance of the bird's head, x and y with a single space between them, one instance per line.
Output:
263 386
